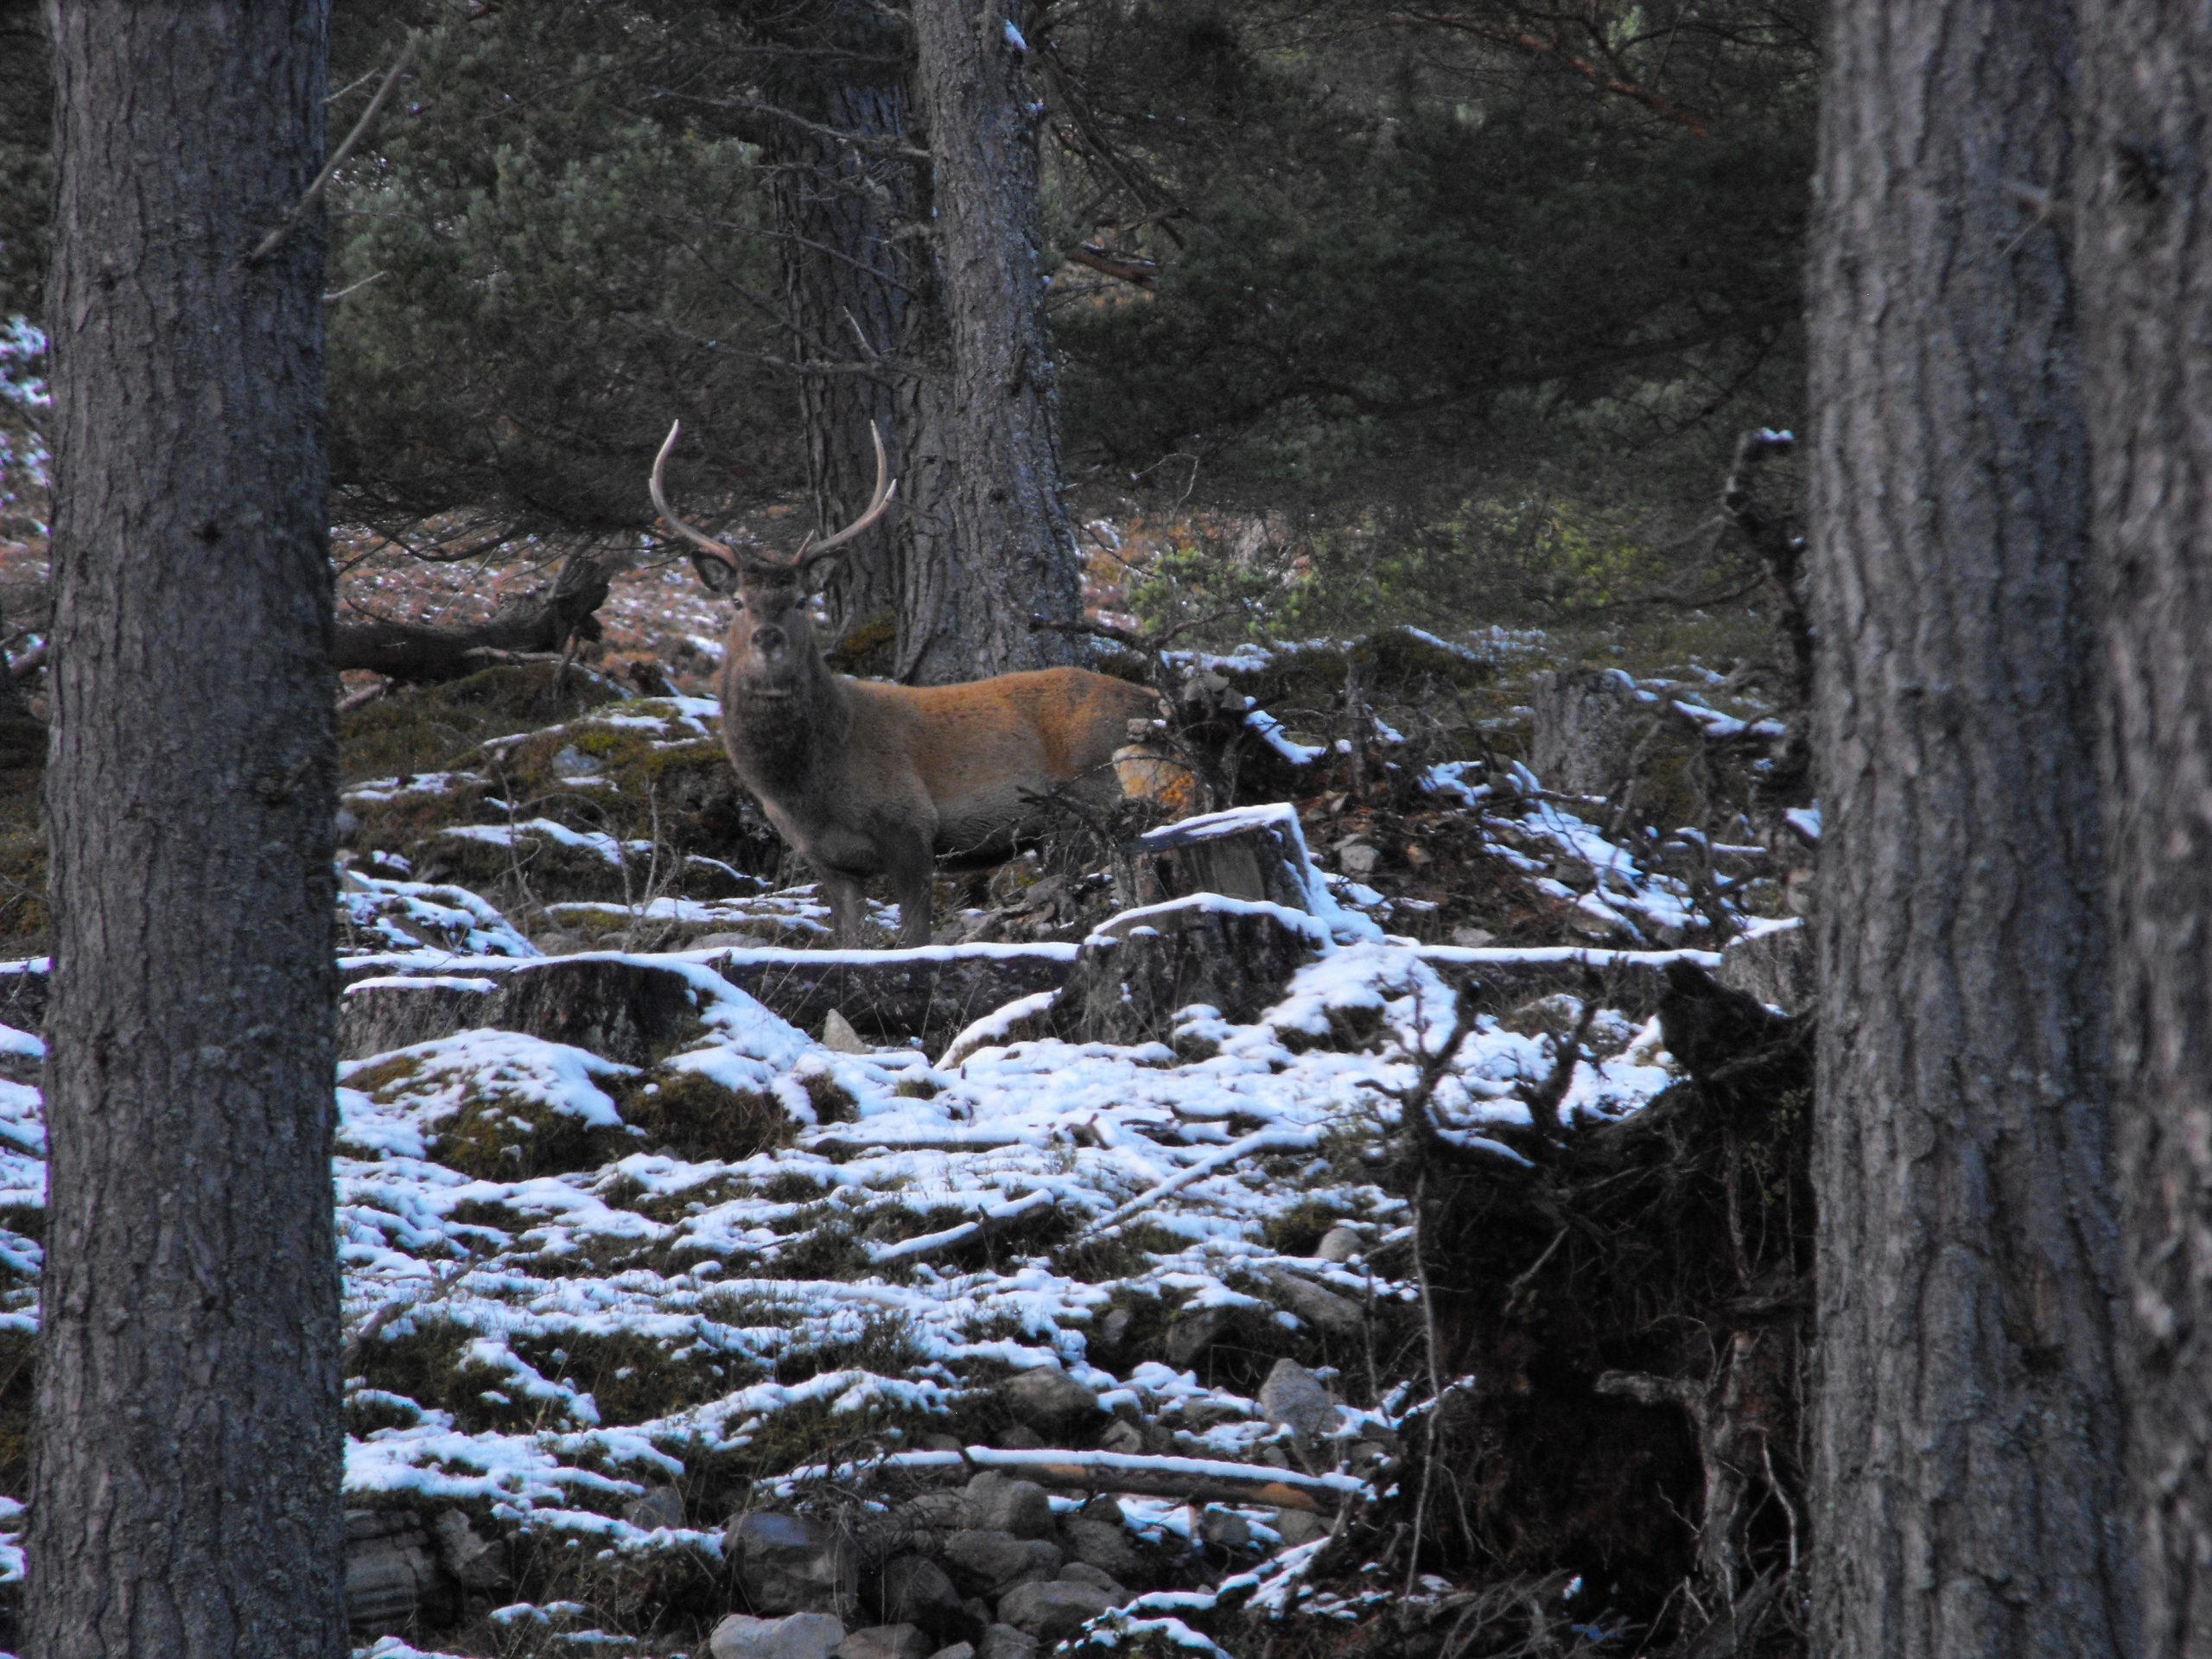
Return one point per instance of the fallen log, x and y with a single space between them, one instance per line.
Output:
546 620
1206 1479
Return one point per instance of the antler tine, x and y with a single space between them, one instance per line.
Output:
697 538
885 487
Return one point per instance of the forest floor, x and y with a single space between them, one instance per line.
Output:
1426 1299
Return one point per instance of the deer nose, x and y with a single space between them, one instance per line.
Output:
768 640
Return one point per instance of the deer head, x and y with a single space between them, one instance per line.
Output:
771 646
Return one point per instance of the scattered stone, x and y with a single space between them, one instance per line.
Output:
1107 1508
997 1503
1049 1401
1100 1543
1224 1530
1473 938
1358 858
1019 1437
1053 1609
802 1635
1192 1331
1340 1244
886 1642
1298 1399
1297 1527
990 1560
1323 1309
573 762
1114 1329
655 1506
474 1561
1004 1642
839 1037
1775 965
391 1570
1125 1437
917 1591
1097 1577
957 1650
794 1563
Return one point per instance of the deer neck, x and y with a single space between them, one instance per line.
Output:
781 739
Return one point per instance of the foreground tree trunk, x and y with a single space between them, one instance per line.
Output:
1011 551
1967 1438
2144 198
185 1494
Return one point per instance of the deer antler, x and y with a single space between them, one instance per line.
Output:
697 538
886 487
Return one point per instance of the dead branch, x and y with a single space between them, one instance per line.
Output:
538 623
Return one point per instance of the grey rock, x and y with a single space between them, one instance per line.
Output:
474 1561
1004 1642
801 1636
1100 1543
1114 1329
1191 1332
1298 1399
1300 1527
997 1503
1107 1508
1019 1437
1226 1530
573 762
1340 1244
1775 966
1049 1401
794 1564
916 1591
1358 857
957 1650
391 1570
839 1037
1473 938
1323 1309
1053 1609
988 1560
886 1642
655 1506
1096 1578
1122 1437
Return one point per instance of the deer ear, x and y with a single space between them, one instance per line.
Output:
719 575
821 570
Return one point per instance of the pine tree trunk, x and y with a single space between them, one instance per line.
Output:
1011 551
857 293
1966 1434
185 1497
2144 206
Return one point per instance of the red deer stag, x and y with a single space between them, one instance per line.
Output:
868 779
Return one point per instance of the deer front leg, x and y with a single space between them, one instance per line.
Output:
913 870
847 906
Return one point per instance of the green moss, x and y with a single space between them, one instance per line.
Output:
869 647
1299 1230
702 1120
501 1137
434 729
792 1186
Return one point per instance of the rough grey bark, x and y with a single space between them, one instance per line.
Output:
860 305
2143 249
186 1459
1967 1433
1011 554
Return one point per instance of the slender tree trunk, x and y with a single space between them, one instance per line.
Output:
1966 1434
1012 552
2144 247
185 1496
